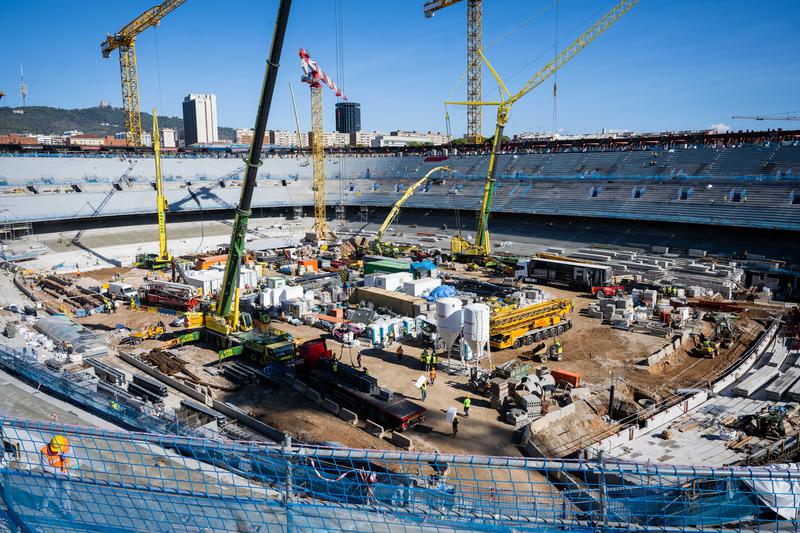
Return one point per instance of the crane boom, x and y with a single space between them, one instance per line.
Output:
163 254
406 195
125 41
777 116
226 318
481 247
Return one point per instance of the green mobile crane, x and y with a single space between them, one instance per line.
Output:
225 319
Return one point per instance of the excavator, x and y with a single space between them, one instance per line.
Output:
225 319
479 252
163 259
378 246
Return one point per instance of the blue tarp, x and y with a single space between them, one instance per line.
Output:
425 264
442 291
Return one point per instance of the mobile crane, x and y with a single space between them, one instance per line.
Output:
377 245
164 258
225 319
479 251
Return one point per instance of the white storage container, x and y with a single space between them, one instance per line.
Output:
421 287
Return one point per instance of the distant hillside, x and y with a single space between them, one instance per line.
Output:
95 120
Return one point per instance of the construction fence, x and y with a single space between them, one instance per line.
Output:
119 481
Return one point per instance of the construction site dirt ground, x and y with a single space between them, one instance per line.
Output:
599 353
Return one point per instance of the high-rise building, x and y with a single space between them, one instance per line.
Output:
200 119
348 117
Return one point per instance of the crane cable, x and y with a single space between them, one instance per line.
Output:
339 26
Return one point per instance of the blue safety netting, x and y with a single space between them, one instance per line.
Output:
120 481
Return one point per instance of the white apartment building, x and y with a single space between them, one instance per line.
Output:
432 137
332 139
364 138
200 119
287 138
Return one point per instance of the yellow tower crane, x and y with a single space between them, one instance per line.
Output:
125 41
480 250
474 63
315 78
163 259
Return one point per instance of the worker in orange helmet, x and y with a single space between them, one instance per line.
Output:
57 458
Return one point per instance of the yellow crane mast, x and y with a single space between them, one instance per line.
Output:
125 41
314 76
474 63
480 249
164 258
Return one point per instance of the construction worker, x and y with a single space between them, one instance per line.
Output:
428 361
399 353
423 357
56 458
432 375
423 390
467 404
435 359
365 371
455 426
556 350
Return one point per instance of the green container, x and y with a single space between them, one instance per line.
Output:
386 266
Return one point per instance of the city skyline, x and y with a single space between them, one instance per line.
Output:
641 75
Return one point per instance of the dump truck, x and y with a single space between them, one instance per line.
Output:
514 327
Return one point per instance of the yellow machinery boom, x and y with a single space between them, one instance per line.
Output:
474 63
162 205
516 326
164 258
396 207
481 247
125 40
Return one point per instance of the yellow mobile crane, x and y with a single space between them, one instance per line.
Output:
125 40
377 245
164 258
480 249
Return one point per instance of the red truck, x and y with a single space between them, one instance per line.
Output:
353 390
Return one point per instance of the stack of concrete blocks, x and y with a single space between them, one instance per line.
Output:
650 298
498 388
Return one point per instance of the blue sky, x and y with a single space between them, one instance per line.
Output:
679 64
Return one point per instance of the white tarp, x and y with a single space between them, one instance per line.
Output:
780 493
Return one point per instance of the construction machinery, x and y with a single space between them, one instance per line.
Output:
474 63
163 259
125 41
776 116
167 294
377 244
315 77
225 319
150 332
479 250
514 327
